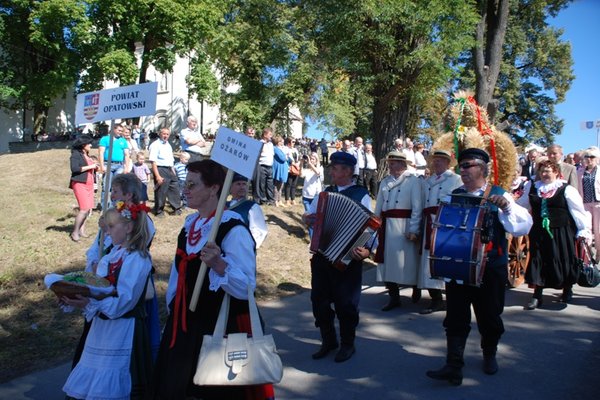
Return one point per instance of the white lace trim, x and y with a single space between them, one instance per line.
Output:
542 187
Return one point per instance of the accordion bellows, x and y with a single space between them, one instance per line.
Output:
340 226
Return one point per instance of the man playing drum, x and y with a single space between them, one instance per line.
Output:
487 299
435 188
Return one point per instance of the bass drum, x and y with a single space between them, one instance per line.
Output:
518 259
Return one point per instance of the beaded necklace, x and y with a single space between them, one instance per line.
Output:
196 234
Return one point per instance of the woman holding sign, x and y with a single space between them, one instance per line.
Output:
231 268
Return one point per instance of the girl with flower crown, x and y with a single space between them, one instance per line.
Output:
116 361
231 262
558 218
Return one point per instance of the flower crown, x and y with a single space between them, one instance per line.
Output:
130 210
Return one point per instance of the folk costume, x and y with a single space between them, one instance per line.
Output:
253 217
552 243
116 360
184 330
400 206
435 189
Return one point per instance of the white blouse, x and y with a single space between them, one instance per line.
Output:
582 218
240 258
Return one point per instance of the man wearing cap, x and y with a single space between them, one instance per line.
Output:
250 212
331 285
435 188
488 299
400 206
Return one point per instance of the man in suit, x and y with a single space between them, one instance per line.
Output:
529 167
568 172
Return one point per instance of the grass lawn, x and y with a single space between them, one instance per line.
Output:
36 217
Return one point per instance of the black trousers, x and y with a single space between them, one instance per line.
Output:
342 288
168 190
289 190
263 187
370 181
487 301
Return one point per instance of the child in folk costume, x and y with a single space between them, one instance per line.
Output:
116 361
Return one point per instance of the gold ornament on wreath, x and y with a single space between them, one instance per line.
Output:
469 127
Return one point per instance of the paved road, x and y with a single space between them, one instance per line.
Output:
551 353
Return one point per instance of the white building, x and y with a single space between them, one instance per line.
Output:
173 104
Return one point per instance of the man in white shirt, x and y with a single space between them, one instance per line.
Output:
192 140
370 171
263 178
251 212
166 184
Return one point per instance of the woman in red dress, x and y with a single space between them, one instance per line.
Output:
82 183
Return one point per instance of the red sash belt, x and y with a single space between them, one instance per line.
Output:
381 233
181 295
427 213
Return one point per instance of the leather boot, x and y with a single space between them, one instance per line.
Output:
328 342
437 302
567 294
490 366
394 292
452 371
416 294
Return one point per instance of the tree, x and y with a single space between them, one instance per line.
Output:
522 80
397 54
39 60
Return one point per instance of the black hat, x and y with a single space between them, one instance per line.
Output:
474 153
342 158
239 177
81 141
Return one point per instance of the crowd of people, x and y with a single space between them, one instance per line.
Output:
554 201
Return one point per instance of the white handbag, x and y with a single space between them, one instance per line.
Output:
238 360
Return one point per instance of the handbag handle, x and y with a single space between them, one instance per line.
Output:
585 250
256 327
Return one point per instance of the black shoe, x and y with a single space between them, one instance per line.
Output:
447 373
436 305
490 366
393 303
534 303
324 350
416 295
160 214
346 351
567 296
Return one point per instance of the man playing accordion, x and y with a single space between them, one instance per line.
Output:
488 299
332 285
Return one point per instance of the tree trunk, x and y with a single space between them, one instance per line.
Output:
40 116
389 123
488 52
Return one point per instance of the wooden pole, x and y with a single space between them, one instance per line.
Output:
211 237
107 182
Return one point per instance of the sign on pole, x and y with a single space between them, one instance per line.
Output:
118 103
238 153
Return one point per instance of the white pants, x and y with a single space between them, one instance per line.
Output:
594 209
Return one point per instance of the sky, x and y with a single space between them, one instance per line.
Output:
581 25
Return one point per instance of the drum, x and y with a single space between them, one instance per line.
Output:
457 252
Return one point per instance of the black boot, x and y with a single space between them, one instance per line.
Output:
536 301
416 294
452 371
347 335
328 342
567 294
437 302
490 366
394 292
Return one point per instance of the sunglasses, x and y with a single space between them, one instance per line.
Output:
589 156
467 165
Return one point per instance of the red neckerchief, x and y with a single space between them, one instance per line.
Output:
181 294
113 269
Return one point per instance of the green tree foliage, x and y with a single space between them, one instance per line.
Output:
534 71
39 58
396 53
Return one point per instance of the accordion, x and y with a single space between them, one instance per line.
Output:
341 224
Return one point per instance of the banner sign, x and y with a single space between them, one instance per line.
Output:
236 151
585 125
118 103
